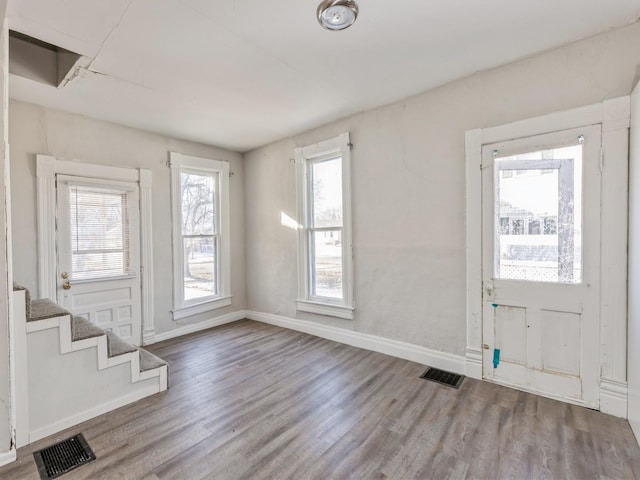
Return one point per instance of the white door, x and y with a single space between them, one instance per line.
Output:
98 272
633 371
541 230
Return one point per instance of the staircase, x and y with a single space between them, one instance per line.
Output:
70 370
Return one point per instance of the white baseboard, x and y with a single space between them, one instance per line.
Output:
147 337
80 417
196 327
7 457
613 397
473 367
395 348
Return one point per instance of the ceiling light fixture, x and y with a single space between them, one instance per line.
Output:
337 14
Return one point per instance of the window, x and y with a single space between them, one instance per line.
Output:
100 244
534 227
201 250
550 225
543 198
324 239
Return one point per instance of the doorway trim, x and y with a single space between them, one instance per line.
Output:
614 118
47 167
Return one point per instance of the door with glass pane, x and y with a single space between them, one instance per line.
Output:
541 267
97 241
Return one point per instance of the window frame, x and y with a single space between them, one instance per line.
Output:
180 163
305 157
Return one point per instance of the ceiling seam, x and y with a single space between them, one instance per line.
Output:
115 27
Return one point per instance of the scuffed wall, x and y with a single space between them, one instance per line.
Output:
408 179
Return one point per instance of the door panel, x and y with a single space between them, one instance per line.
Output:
98 253
511 334
541 225
559 343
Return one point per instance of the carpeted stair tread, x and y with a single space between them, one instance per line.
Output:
81 329
27 298
116 346
148 361
45 308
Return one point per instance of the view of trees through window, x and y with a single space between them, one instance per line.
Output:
199 234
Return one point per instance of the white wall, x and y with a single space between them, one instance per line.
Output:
409 189
633 350
34 129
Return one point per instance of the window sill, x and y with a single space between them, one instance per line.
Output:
189 310
328 309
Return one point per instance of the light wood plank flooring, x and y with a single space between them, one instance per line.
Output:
249 400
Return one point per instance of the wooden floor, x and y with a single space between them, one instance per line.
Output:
249 400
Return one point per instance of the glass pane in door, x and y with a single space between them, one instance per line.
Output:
538 216
99 233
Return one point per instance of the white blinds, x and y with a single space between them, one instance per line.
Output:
99 232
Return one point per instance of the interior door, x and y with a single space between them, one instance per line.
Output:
98 255
541 217
633 363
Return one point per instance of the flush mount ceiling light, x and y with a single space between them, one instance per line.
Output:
337 14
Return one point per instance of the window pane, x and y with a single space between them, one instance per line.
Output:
326 264
97 265
538 214
99 232
198 203
326 178
199 267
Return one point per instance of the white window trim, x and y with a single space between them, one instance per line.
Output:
184 312
223 298
306 302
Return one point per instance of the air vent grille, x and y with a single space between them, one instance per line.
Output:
62 457
443 377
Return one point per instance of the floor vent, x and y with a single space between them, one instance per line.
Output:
63 456
445 378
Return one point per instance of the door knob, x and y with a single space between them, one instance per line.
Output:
64 275
66 285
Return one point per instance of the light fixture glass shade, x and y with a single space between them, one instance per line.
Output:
337 14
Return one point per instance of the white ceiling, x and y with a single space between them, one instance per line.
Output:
243 73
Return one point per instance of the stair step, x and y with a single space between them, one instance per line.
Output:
81 329
45 308
118 375
27 298
148 361
116 346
